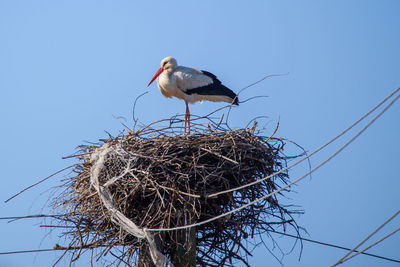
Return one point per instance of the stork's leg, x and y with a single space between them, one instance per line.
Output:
187 118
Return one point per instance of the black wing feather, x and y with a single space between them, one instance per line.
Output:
216 88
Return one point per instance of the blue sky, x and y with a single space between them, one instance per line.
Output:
67 66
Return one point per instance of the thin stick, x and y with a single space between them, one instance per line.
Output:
134 107
41 181
250 85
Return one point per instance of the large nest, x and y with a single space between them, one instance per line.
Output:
163 180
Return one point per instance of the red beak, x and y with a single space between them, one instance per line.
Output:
160 70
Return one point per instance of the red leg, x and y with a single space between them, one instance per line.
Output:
184 129
187 118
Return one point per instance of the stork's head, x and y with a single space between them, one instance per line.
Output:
168 64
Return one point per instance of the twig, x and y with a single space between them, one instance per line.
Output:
41 181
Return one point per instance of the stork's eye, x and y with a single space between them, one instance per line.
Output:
164 63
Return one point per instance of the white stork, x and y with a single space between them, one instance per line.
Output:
190 85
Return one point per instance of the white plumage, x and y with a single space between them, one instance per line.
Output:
190 85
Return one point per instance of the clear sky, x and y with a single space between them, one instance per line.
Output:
67 66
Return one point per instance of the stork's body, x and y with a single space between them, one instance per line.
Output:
190 85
